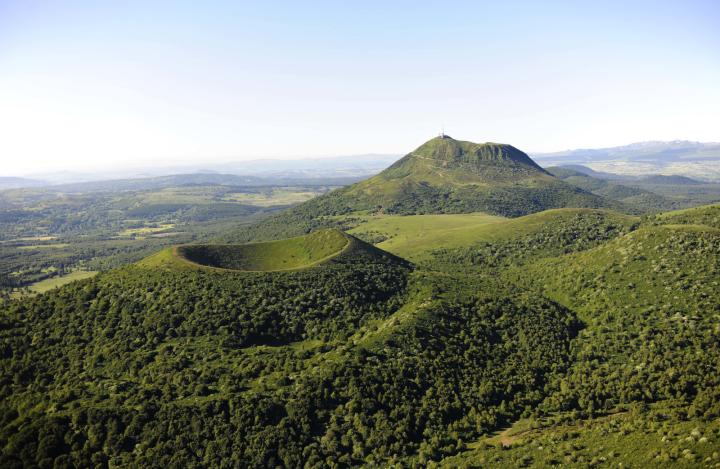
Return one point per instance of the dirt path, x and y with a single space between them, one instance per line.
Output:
506 437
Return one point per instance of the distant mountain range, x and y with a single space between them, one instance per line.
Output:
354 167
198 179
16 182
679 157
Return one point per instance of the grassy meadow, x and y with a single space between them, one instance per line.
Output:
415 237
54 282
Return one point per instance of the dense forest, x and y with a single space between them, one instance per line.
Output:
310 357
369 360
463 308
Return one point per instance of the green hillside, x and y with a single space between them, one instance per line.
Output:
673 179
708 215
493 178
443 175
522 240
644 382
269 368
571 337
422 238
627 438
643 269
633 198
417 237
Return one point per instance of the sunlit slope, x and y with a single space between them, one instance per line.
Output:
619 439
444 161
413 236
416 237
301 252
672 269
708 215
442 176
670 264
445 175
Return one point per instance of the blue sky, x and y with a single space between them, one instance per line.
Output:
89 84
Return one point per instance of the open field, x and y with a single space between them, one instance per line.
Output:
412 236
42 247
35 238
54 282
49 284
270 198
415 237
146 230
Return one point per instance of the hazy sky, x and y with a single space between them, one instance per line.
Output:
86 84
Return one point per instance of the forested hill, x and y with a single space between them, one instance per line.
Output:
590 334
491 162
443 175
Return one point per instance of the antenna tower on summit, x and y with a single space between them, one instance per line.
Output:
442 131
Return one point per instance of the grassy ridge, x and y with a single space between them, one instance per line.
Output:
288 254
293 253
635 198
301 252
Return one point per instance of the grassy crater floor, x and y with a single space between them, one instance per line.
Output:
287 254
